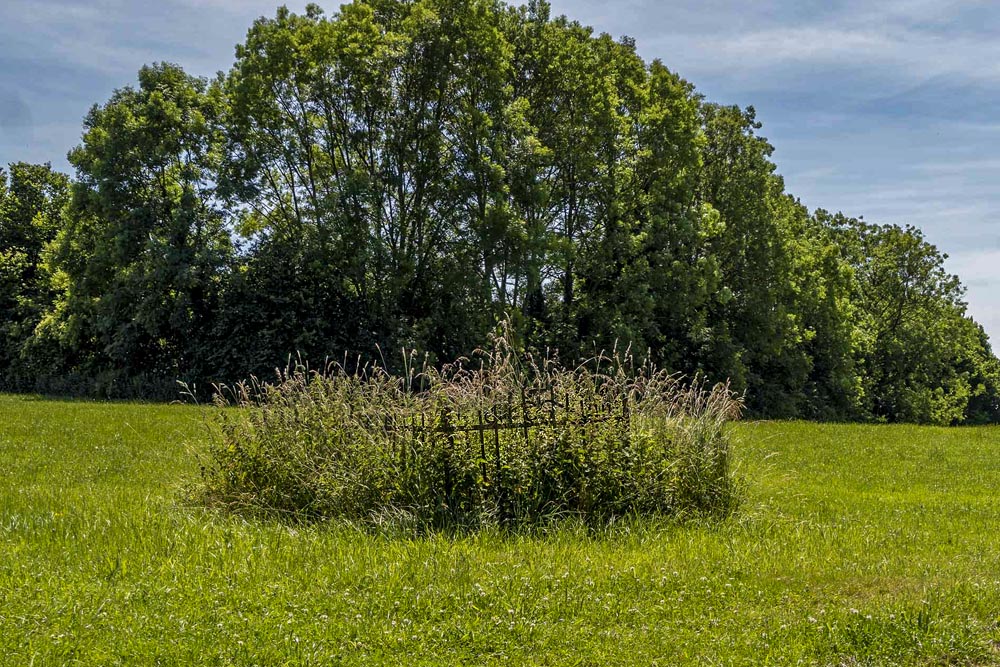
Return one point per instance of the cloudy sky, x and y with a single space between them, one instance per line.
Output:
890 110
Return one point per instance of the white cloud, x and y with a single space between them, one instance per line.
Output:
894 54
891 41
960 167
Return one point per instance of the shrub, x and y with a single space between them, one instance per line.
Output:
501 439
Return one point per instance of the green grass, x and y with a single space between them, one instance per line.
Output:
854 545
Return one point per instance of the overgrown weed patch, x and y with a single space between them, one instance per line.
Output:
501 439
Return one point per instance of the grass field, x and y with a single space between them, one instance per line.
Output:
854 545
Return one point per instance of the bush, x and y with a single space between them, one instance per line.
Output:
501 439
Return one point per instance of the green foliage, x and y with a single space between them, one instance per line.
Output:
32 198
498 441
142 252
408 173
921 359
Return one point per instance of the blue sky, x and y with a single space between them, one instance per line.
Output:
890 110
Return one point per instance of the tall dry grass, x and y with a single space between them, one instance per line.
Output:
497 439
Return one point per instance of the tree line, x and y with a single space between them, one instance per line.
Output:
408 173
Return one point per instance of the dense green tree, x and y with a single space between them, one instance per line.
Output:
676 275
920 359
409 173
31 203
820 295
367 153
141 255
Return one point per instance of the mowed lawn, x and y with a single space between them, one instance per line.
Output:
854 545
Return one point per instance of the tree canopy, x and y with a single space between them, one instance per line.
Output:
408 173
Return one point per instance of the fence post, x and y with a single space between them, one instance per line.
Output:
391 435
524 419
626 420
482 444
500 494
449 482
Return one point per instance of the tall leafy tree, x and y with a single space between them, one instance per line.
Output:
31 201
920 357
139 258
410 172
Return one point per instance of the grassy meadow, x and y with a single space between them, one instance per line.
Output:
853 545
